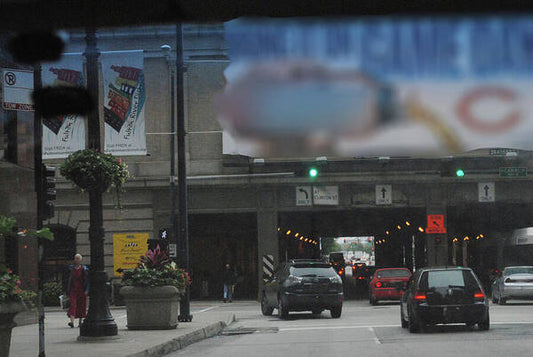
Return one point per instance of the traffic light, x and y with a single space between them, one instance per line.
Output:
451 169
48 191
313 172
459 173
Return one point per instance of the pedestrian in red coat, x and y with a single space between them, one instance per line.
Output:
77 290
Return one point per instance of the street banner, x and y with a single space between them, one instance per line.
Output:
124 99
377 87
128 248
64 134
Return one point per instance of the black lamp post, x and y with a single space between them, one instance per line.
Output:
99 321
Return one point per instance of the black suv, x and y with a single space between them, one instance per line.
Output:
444 295
303 285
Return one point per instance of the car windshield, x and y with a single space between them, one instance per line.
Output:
518 270
302 271
392 273
439 279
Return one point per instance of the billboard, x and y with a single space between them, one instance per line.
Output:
381 86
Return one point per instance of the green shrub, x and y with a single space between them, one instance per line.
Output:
51 292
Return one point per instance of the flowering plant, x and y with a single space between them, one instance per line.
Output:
156 269
10 290
90 169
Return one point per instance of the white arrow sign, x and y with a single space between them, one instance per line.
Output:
486 192
303 195
383 194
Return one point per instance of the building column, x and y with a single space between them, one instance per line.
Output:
268 243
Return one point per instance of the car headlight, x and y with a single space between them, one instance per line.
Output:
291 279
335 279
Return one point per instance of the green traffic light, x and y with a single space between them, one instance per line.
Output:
459 173
313 172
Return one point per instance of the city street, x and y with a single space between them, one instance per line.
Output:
365 330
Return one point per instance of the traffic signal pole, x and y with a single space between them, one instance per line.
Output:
38 173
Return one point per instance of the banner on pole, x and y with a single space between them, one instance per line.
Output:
64 134
124 98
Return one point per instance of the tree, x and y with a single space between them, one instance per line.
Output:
330 245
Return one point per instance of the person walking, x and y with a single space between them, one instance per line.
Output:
77 290
229 280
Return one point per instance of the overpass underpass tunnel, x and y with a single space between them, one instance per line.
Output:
398 236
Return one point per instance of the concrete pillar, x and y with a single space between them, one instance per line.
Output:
436 203
268 242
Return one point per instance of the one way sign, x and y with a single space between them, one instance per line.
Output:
486 192
383 194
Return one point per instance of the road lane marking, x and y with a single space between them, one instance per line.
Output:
376 339
206 309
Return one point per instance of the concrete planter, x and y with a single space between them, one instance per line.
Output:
7 314
151 308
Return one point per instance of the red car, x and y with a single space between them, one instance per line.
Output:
387 283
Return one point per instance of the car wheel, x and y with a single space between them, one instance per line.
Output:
336 312
372 300
265 309
501 301
485 324
283 312
404 323
414 326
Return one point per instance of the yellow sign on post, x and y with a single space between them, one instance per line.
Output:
128 249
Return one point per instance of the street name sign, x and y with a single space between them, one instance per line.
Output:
303 196
513 171
326 195
486 192
435 224
383 194
17 88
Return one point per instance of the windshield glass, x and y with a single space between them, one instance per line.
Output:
312 271
392 273
518 270
447 278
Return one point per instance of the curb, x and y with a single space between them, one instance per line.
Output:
185 340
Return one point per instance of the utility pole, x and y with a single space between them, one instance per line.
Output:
37 164
99 322
185 311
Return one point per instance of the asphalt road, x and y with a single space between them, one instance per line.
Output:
365 330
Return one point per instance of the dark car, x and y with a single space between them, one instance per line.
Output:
362 277
444 295
303 285
387 284
338 263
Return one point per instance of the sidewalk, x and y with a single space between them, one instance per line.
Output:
209 318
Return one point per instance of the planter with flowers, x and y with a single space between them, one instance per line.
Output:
93 170
13 299
152 292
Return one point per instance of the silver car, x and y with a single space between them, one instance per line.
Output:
514 283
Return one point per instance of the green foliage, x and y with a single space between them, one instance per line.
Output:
90 168
8 224
51 292
330 245
10 287
156 269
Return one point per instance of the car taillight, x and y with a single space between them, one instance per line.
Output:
378 284
479 295
341 271
420 296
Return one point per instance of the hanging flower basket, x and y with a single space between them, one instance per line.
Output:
93 170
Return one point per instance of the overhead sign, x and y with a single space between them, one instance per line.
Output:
17 90
486 192
303 196
435 224
383 194
501 151
326 195
513 171
128 248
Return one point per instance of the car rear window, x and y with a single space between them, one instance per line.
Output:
446 278
307 270
392 273
518 270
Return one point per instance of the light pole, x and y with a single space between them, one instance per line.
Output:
99 321
185 312
173 232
